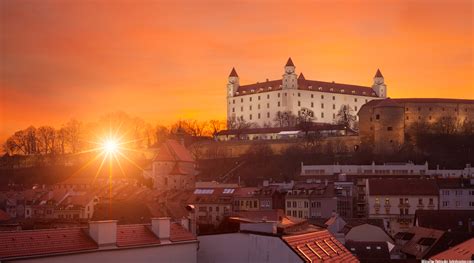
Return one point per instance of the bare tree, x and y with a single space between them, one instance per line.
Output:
239 125
216 126
46 139
346 116
73 133
285 119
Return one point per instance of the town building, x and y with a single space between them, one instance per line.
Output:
456 194
385 124
260 103
245 199
271 197
396 200
173 167
446 220
102 241
311 200
212 205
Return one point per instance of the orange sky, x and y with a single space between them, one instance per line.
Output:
168 60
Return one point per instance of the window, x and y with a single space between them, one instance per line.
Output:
233 109
278 104
322 114
355 99
300 214
258 106
322 105
299 103
420 201
286 94
217 209
268 114
312 104
250 116
377 117
294 203
334 115
389 128
288 204
306 204
259 115
258 97
233 101
268 105
401 201
333 97
387 201
355 108
312 95
322 97
318 204
268 96
241 108
299 94
242 100
210 209
334 106
250 99
278 95
431 201
250 107
255 204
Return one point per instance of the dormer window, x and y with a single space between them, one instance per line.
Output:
310 87
243 92
342 91
252 90
269 88
353 92
237 93
363 92
331 89
320 88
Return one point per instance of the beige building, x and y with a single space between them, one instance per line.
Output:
385 123
212 205
311 200
396 200
260 102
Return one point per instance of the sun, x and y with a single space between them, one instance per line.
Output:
110 146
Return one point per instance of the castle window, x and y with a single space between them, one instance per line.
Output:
241 108
268 96
342 91
322 105
406 109
333 97
278 94
268 105
322 97
389 128
320 88
250 107
312 104
258 97
233 101
299 103
250 116
429 118
299 94
366 100
259 115
285 94
312 95
407 117
334 106
334 115
252 90
355 99
250 99
241 99
322 114
258 106
419 117
377 117
278 104
268 114
233 109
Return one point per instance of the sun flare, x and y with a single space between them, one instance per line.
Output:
110 146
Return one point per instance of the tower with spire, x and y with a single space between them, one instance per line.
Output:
379 85
233 83
290 77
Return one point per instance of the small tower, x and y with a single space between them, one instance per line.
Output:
289 78
379 85
233 83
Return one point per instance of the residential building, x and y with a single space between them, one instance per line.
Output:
102 241
245 199
446 220
456 194
396 200
212 205
262 102
311 200
270 197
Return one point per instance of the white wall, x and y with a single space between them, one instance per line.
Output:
172 253
244 247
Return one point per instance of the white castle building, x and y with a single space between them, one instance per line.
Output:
260 102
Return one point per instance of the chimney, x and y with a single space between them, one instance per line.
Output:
161 227
104 232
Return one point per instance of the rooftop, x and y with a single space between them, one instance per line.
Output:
463 251
404 187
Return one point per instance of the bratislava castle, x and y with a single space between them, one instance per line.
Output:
260 102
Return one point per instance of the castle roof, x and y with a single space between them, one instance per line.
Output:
301 76
289 63
233 73
378 74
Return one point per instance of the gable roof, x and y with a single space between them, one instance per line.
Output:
446 220
463 251
173 151
289 63
42 242
405 187
378 74
233 73
319 246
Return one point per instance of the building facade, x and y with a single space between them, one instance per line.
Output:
261 102
456 194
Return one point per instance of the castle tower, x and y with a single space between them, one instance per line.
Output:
290 78
233 83
379 85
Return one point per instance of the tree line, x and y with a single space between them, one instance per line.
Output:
76 136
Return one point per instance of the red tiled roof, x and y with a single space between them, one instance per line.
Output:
173 151
463 251
42 242
135 235
304 84
179 233
411 247
403 187
318 247
245 191
233 73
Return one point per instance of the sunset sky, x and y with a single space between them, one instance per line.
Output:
169 60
